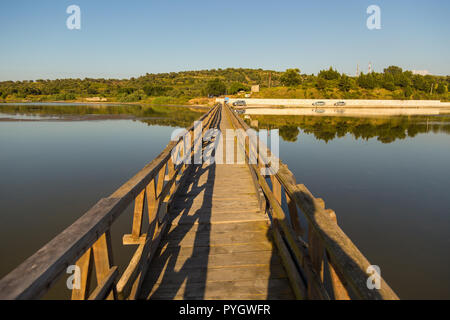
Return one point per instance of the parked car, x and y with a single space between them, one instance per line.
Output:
240 111
240 103
318 103
340 104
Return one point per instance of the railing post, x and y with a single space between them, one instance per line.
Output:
339 290
103 259
85 265
138 215
293 215
276 188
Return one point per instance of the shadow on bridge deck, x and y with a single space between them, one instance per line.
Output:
218 245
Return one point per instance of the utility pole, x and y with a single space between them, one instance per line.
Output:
270 79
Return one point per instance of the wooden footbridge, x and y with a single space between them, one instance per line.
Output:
205 231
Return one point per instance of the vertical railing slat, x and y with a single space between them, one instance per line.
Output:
103 259
339 290
138 215
85 265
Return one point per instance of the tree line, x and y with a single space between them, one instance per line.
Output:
385 130
180 87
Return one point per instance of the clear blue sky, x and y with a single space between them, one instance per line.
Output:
121 39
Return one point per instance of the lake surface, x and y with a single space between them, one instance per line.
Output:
386 178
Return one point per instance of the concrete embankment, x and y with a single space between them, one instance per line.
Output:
288 103
349 112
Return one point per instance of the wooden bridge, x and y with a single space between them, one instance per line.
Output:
206 231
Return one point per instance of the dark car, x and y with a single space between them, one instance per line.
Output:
318 103
340 104
240 103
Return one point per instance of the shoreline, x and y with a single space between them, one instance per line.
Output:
100 104
330 103
347 112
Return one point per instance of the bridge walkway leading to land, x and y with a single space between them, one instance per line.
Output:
205 231
218 245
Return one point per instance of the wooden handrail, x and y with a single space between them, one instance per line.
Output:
346 264
86 237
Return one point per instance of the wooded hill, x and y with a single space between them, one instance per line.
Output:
181 87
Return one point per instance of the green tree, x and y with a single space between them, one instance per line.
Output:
321 83
394 70
235 87
408 91
441 89
367 81
345 83
291 77
216 87
388 85
329 74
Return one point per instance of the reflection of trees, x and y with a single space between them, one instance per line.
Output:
152 115
386 130
289 133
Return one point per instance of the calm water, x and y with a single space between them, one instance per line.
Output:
387 179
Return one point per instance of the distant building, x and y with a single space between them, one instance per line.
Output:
255 88
421 72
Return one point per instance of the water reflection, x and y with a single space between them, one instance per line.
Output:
390 193
387 180
173 116
386 130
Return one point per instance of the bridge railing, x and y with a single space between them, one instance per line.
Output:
87 242
320 259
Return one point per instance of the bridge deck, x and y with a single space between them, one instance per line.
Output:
218 245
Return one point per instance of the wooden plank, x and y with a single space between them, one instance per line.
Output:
223 218
222 289
216 260
248 226
85 265
206 239
103 260
138 214
276 188
222 205
131 276
316 254
338 288
234 296
106 285
295 279
202 274
214 249
293 216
